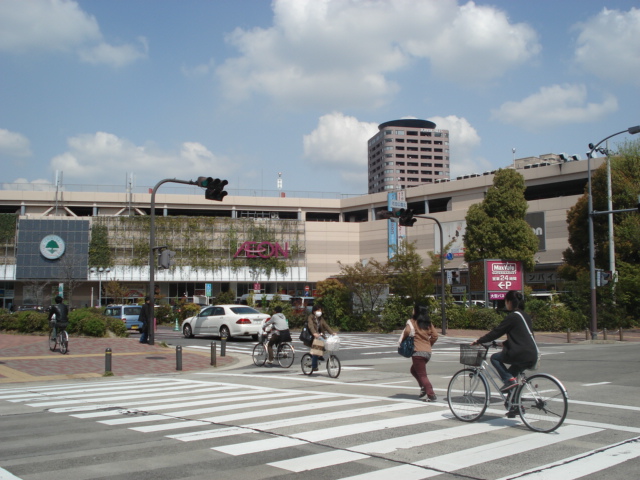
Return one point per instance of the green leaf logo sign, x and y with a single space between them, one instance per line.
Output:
52 247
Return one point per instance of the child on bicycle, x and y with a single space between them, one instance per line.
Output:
280 331
61 313
520 349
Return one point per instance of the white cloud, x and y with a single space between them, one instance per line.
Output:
120 56
339 143
338 53
59 25
14 144
200 70
102 157
553 106
463 141
608 46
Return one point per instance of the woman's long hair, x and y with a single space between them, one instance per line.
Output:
516 298
421 316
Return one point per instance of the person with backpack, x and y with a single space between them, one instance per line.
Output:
425 335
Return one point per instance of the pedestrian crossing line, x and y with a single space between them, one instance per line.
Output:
214 398
272 443
489 452
435 436
319 460
50 388
238 406
586 464
120 403
290 422
132 394
272 411
87 397
31 395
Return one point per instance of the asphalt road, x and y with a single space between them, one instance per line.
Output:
269 422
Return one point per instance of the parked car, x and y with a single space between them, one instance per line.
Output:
128 313
225 321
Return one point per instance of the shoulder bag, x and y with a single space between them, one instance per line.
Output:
537 364
306 336
407 347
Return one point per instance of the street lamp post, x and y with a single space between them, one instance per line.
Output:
99 271
592 265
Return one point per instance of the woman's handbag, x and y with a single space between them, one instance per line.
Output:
407 348
306 336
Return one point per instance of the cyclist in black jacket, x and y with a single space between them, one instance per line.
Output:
61 311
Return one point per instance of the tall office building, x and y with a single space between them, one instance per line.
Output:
407 153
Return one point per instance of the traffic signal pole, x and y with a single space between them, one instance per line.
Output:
442 286
152 247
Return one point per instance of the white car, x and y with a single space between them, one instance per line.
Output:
225 321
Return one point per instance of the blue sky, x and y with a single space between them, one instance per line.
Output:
246 89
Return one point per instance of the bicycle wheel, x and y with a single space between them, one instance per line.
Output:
53 339
285 355
542 403
333 366
64 342
305 363
468 395
259 355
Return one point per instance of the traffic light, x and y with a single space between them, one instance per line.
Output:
405 217
165 259
215 188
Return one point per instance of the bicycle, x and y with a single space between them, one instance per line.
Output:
333 363
58 338
285 353
540 399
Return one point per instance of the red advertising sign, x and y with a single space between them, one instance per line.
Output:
502 276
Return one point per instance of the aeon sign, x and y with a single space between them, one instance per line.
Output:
262 250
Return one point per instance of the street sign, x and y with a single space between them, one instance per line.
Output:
397 204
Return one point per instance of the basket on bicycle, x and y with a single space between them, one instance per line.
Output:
332 344
472 355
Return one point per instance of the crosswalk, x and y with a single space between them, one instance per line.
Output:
295 430
380 343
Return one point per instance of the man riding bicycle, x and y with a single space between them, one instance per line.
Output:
61 313
280 332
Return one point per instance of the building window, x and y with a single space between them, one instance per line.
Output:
399 132
426 172
400 155
400 163
412 164
438 165
425 164
412 172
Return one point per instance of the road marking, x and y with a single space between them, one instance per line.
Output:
586 464
272 443
319 460
594 384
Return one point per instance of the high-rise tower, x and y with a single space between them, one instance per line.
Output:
407 153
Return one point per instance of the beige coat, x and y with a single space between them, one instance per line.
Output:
423 338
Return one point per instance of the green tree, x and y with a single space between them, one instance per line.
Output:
409 279
367 282
333 297
496 227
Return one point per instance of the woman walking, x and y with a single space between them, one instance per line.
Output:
425 336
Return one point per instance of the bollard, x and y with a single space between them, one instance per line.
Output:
586 334
568 335
179 357
176 327
213 354
604 333
621 336
107 360
223 346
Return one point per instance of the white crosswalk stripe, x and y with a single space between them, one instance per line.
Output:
339 429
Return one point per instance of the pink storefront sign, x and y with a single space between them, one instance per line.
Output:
502 276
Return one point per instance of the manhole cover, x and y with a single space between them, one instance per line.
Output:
156 358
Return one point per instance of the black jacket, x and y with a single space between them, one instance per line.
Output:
144 317
519 349
61 311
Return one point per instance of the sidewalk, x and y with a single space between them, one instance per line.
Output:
27 358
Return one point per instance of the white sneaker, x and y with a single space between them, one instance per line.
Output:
269 362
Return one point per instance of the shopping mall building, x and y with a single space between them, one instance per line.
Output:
55 241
